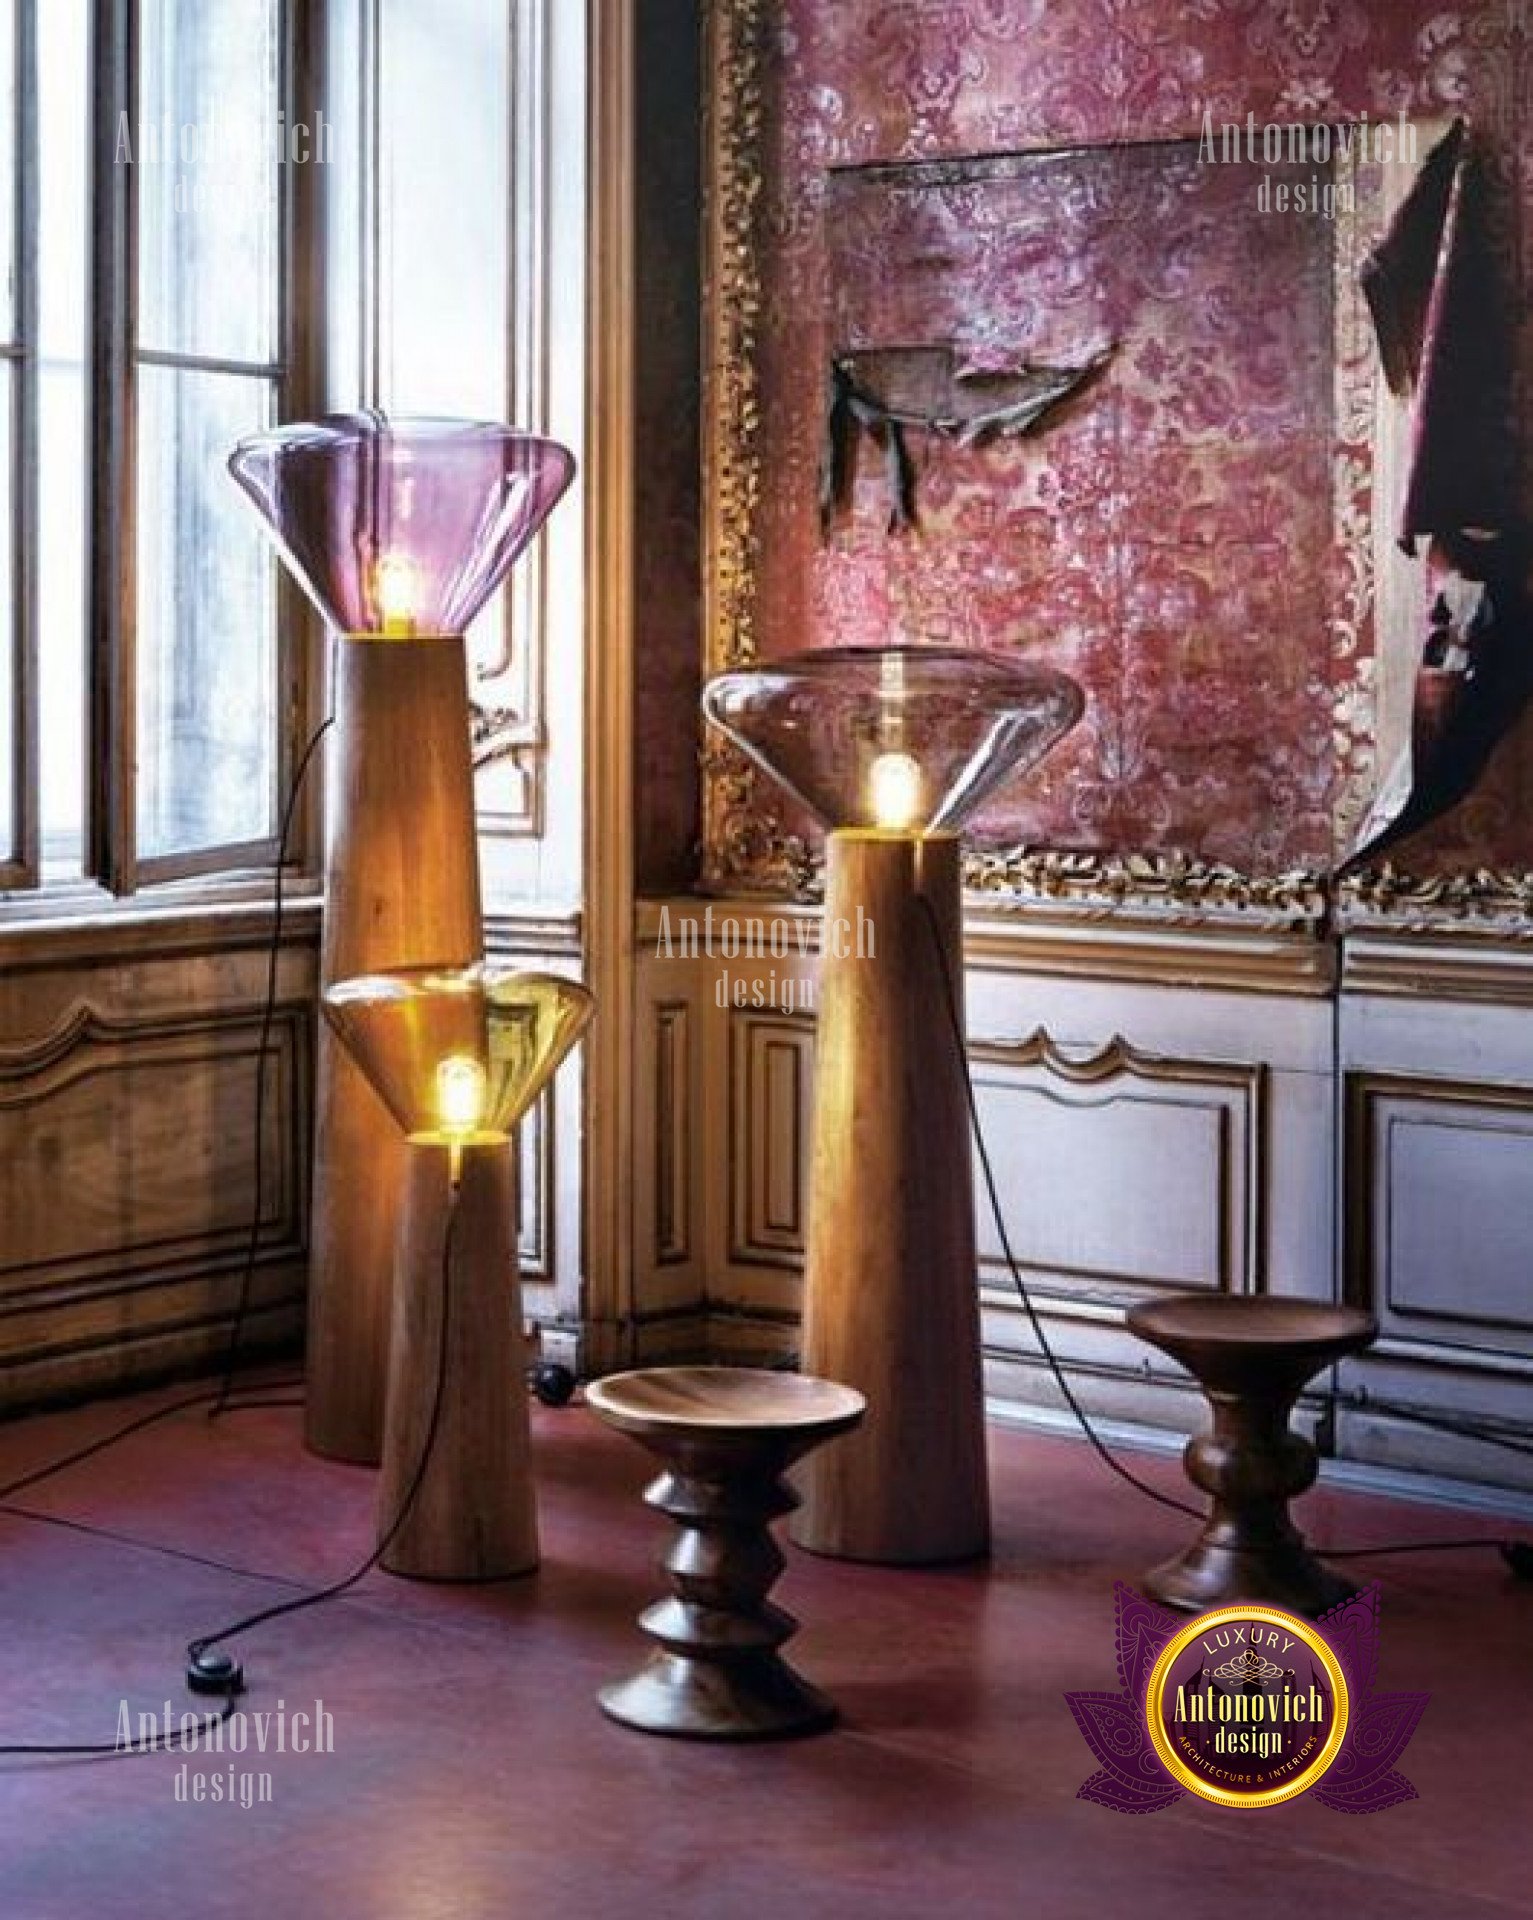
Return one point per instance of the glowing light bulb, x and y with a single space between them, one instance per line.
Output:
460 1093
894 791
462 1089
396 595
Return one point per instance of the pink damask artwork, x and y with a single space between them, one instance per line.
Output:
1195 532
1135 534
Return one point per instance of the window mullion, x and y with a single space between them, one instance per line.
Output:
210 363
110 798
303 318
19 861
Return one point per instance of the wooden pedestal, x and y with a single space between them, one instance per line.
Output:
401 889
472 1517
891 1300
724 1436
1252 1355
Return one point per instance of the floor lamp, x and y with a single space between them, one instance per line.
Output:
892 749
457 1057
399 531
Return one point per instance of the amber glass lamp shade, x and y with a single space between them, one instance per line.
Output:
458 1055
403 527
905 739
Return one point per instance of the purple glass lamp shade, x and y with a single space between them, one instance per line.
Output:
903 739
401 527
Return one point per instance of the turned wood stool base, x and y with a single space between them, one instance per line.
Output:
726 1435
1251 1355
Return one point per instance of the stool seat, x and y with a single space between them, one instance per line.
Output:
1251 1355
724 1435
1227 1339
744 1399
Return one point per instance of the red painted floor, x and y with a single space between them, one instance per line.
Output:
473 1776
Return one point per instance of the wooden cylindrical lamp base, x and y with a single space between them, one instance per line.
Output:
401 890
891 1301
472 1516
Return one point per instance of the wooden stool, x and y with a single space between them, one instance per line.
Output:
1251 1355
726 1435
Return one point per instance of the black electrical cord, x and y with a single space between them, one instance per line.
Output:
117 1538
180 1742
114 1749
1364 1402
268 1019
35 1475
217 1673
960 1041
1517 1554
221 1400
212 1672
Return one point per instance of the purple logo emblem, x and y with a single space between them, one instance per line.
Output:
1247 1706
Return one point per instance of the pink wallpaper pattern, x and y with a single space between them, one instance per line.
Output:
1109 543
1172 540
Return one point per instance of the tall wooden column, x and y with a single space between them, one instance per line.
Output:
472 1517
401 889
891 1299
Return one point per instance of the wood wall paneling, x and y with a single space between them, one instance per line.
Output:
672 1129
1168 1120
1123 1173
536 1179
771 1082
128 1159
1440 1185
671 1236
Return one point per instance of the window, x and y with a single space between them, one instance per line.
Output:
161 298
456 230
215 215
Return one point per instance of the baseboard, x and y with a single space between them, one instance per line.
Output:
1346 1476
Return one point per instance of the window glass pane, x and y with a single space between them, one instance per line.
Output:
446 217
207 135
8 735
207 636
8 302
446 206
62 92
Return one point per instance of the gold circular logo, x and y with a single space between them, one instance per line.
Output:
1247 1706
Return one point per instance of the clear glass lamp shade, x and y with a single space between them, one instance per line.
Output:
458 1055
904 739
399 527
